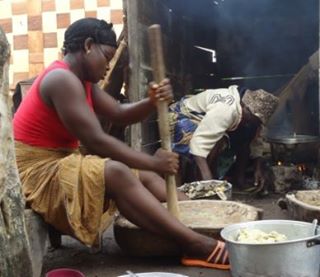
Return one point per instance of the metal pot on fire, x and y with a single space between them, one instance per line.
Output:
294 148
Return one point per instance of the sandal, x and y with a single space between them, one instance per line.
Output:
218 259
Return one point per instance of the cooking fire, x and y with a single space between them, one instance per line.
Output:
290 176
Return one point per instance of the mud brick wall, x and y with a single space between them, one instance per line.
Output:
35 29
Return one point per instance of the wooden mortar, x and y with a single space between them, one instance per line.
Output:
207 217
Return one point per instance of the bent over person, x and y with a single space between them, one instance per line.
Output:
218 128
71 191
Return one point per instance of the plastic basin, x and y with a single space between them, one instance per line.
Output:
64 272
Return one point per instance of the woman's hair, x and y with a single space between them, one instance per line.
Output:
99 30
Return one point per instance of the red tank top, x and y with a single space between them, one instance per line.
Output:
37 124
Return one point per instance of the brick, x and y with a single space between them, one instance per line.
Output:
103 3
6 25
35 41
90 5
116 4
19 76
60 37
60 55
19 7
91 14
49 55
48 5
5 9
36 58
20 24
63 20
76 14
20 42
76 4
50 40
37 231
116 16
34 7
62 6
35 69
49 22
35 23
21 60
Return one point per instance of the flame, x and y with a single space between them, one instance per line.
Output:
301 167
279 163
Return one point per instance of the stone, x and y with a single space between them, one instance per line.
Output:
15 258
37 231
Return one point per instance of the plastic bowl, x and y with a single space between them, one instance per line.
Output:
155 274
64 272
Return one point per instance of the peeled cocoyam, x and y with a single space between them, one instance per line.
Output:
257 236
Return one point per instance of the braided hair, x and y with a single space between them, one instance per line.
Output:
99 30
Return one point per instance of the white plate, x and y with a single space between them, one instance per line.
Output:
156 274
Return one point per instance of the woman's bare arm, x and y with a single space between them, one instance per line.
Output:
125 114
67 95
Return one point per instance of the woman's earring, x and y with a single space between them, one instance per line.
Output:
88 52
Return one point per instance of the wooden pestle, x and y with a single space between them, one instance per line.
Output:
157 63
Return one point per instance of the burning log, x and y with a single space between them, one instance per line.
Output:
286 178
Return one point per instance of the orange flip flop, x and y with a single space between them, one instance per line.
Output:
218 258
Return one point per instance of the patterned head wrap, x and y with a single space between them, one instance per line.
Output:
260 103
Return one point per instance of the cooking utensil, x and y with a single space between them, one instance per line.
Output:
315 226
131 274
302 204
294 139
298 256
295 148
157 61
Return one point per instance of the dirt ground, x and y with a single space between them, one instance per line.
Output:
112 262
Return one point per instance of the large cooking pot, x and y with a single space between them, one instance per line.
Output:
295 148
299 256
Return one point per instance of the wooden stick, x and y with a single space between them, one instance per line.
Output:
113 63
157 62
298 84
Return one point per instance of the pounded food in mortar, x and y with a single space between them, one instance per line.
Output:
311 197
257 236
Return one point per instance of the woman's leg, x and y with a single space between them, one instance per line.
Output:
157 186
141 207
214 154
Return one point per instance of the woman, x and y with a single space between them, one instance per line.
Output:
71 191
216 128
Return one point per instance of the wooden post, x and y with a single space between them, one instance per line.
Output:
157 62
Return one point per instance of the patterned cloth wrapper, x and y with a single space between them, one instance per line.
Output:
183 123
66 188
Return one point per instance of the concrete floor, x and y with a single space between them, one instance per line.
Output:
112 262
